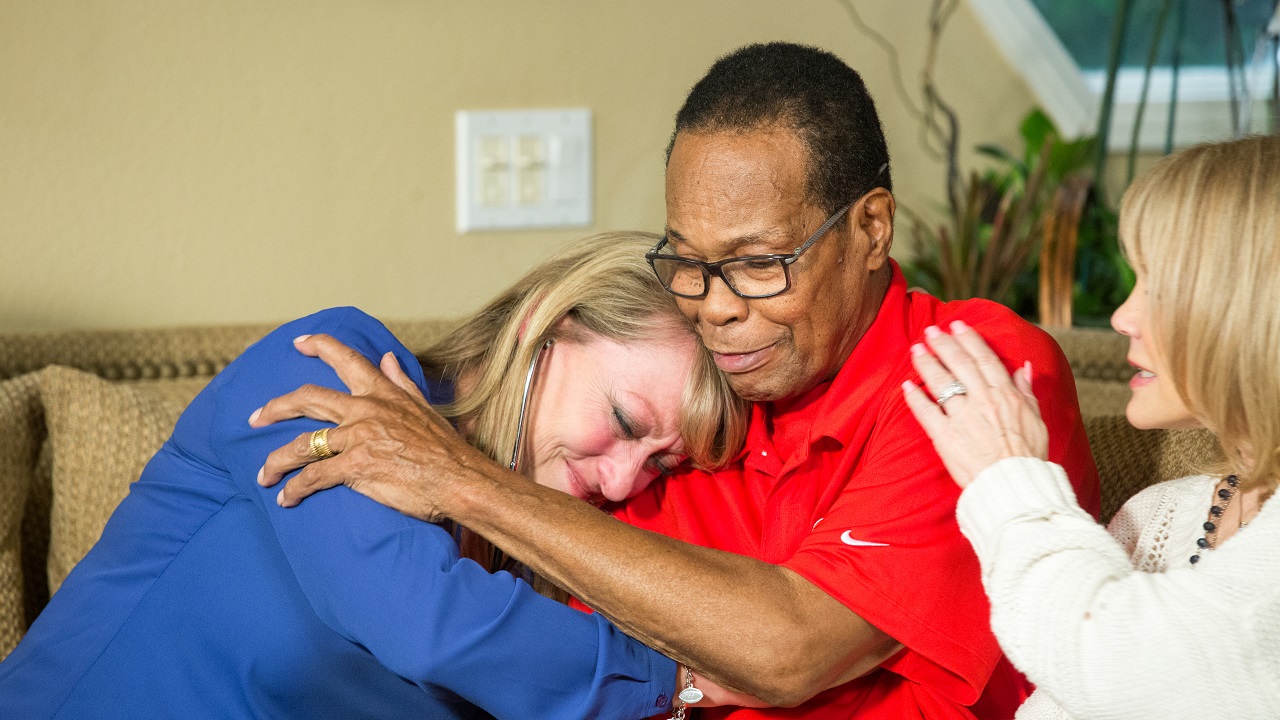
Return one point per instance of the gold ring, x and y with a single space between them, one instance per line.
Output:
320 449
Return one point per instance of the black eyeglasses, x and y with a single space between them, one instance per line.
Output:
749 276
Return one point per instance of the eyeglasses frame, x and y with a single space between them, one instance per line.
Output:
716 268
524 401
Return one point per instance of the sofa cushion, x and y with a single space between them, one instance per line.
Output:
1102 397
1130 459
21 435
101 435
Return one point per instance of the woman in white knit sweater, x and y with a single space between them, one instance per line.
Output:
1176 612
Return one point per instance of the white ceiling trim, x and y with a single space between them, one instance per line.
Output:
1033 49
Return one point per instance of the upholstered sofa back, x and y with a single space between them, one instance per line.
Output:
82 412
1128 459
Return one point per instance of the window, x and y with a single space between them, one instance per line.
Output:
1062 48
1077 24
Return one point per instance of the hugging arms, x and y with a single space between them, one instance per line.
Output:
322 612
226 603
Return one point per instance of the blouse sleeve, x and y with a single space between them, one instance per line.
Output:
396 586
1104 640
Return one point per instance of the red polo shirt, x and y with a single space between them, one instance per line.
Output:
856 500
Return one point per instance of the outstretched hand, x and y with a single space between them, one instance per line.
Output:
984 414
389 444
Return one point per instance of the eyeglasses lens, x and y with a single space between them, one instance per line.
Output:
756 278
748 277
681 278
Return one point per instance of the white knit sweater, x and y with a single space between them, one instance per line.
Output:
1124 627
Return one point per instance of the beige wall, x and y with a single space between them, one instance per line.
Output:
173 162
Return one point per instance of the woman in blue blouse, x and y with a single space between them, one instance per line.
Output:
203 598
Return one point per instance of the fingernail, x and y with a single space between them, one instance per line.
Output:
932 331
908 386
300 338
280 499
1028 368
918 350
958 327
260 471
254 417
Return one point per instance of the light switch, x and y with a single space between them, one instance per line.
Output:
531 161
495 170
523 169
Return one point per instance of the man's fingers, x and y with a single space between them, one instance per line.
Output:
354 370
312 479
313 401
390 367
296 454
286 459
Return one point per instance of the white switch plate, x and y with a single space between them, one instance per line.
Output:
521 169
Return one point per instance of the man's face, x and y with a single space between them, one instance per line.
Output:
735 194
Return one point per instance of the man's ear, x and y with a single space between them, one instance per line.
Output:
875 222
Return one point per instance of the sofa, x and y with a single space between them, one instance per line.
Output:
81 413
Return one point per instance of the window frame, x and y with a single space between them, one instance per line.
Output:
1071 97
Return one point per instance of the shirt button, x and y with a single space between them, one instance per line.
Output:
764 453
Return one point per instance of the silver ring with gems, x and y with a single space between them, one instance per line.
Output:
952 390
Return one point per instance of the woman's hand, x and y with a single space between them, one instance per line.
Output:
389 444
987 417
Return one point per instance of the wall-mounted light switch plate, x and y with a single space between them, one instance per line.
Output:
522 169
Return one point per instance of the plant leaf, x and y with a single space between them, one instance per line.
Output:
1035 130
998 153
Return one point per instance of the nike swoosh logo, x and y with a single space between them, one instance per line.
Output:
848 539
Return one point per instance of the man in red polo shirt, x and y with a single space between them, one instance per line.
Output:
839 488
824 569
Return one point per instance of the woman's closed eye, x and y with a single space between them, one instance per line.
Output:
626 426
663 463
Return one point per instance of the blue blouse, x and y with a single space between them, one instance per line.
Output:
204 599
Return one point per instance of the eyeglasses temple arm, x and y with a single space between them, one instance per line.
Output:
821 231
524 402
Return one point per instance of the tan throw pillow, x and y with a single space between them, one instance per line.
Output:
21 434
102 434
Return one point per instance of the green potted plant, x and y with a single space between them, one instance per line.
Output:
988 244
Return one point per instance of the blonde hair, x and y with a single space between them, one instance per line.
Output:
606 288
1203 228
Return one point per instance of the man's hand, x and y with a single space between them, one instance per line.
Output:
390 444
749 626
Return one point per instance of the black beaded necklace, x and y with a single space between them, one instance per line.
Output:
1210 538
